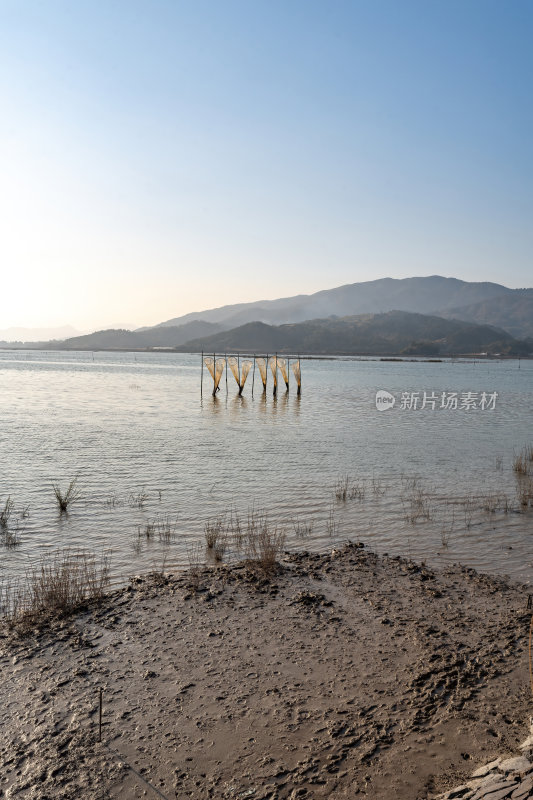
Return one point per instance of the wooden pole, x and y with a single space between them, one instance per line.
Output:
266 373
226 360
100 716
202 377
275 376
253 378
239 372
214 373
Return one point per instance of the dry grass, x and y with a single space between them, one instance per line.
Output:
341 488
302 528
219 550
522 463
378 487
469 506
254 538
65 499
164 526
447 530
10 533
112 501
61 582
332 524
524 492
264 547
195 558
213 530
417 505
357 490
5 513
495 501
10 536
138 499
348 489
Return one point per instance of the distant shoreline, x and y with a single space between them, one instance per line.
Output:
392 357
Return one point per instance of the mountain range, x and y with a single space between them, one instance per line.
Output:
434 314
487 303
391 333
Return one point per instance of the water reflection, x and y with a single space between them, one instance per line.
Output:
238 404
280 403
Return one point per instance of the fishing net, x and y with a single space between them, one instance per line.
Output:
219 370
234 367
261 363
210 364
245 369
216 369
297 373
245 366
282 366
273 364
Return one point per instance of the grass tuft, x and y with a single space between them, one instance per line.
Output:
302 528
213 530
138 499
524 492
341 488
61 582
65 499
5 513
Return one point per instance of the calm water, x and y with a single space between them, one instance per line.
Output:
134 423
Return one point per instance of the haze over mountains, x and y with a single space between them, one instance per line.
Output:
37 334
351 318
489 303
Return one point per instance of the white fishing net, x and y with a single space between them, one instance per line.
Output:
210 364
262 365
282 366
246 366
234 367
216 369
219 370
297 372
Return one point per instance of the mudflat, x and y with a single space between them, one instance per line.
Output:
341 675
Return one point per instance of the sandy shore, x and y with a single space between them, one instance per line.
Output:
344 675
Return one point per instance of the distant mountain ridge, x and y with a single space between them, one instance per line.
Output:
433 295
120 339
513 313
391 333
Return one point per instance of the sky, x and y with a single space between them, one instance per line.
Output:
162 157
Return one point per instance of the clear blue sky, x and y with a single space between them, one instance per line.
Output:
162 157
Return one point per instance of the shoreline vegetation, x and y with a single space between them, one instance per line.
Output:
233 534
334 675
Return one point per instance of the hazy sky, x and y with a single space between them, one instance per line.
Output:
162 157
